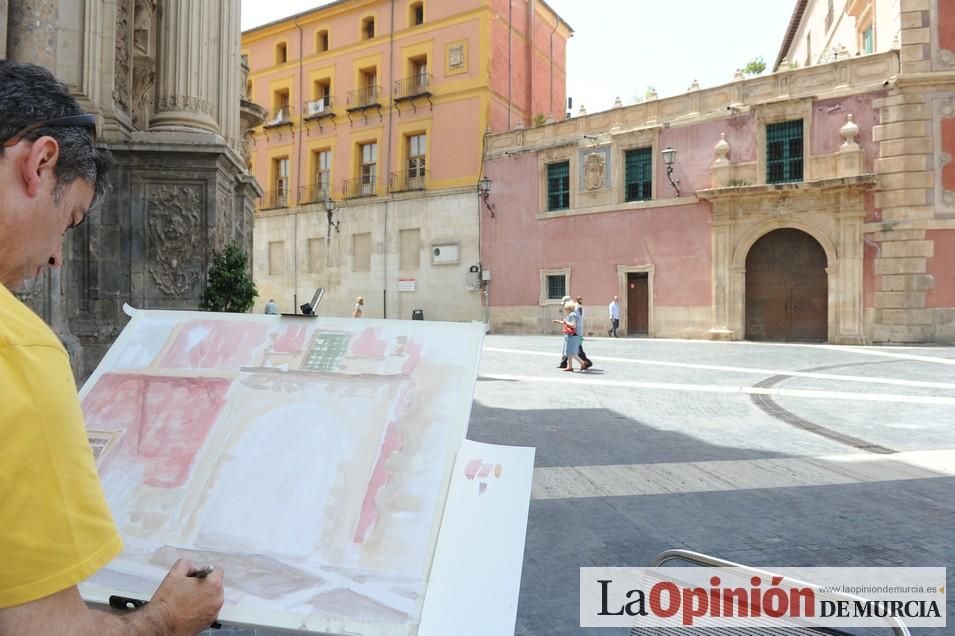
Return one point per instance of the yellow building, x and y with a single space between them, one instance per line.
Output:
372 150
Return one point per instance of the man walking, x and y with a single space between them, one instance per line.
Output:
55 527
614 317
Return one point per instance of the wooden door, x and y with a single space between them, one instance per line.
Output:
787 288
638 304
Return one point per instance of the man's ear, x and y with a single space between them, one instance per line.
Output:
38 164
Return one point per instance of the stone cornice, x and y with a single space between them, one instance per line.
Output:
782 190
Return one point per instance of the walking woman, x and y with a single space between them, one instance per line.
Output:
571 336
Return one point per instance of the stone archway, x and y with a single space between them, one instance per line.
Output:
786 289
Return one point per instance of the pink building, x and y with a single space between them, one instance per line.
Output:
812 204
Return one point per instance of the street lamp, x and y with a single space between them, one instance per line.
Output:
669 158
329 213
484 191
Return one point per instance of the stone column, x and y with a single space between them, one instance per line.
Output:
31 29
722 230
188 67
230 88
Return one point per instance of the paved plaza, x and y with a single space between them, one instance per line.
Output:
764 454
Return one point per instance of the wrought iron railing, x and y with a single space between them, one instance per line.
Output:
279 116
274 199
408 180
321 107
360 187
364 98
315 192
409 87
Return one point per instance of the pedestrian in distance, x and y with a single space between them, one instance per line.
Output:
359 304
614 309
571 338
271 308
580 350
55 526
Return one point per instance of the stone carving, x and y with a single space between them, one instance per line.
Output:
224 219
142 25
183 103
594 167
849 132
123 56
144 79
174 235
722 151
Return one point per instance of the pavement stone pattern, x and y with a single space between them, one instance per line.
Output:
662 445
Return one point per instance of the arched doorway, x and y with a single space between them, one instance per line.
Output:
787 295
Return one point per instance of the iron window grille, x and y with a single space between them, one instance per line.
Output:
784 152
639 174
556 286
558 186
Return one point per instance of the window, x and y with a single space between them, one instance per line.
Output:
417 147
280 107
369 168
368 28
416 14
322 93
784 152
281 184
419 74
868 41
409 246
321 188
556 286
316 255
558 186
281 53
368 86
321 41
361 252
639 174
276 258
445 254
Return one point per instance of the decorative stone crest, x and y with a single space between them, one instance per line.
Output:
594 167
722 151
173 103
174 237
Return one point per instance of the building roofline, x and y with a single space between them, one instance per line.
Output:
794 23
340 2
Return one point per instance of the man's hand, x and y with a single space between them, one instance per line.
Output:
187 604
182 606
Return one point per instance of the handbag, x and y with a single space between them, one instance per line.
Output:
569 330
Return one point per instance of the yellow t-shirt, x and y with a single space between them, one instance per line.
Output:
55 527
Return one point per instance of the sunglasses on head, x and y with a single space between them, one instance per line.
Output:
85 121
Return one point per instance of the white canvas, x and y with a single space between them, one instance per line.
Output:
309 458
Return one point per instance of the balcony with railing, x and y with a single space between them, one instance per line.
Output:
360 187
408 180
319 108
315 192
411 88
274 199
368 97
280 116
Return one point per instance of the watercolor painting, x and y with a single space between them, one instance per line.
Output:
311 458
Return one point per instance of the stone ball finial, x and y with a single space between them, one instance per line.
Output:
784 64
738 75
849 132
722 149
695 86
651 93
582 111
617 103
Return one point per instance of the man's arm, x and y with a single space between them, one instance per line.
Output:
182 606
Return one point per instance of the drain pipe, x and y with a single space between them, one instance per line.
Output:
391 77
298 172
510 75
